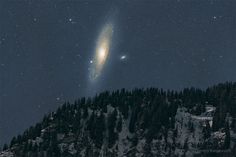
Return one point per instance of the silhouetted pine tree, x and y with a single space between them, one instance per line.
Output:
227 136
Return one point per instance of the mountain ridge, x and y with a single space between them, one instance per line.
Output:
141 122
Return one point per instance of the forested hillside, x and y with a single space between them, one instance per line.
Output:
142 122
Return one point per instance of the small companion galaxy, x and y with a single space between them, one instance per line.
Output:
53 52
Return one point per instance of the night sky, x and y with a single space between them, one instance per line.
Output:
47 48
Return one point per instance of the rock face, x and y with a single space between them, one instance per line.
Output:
140 123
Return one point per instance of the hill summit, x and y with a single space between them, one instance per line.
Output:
142 122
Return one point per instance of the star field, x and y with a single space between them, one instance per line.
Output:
47 47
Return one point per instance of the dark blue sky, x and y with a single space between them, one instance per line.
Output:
46 46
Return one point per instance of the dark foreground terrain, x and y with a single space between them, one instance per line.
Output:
142 122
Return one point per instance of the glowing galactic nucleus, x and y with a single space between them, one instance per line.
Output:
101 51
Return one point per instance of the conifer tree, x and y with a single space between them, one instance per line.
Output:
227 136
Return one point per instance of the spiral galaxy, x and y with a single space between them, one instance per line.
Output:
101 51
